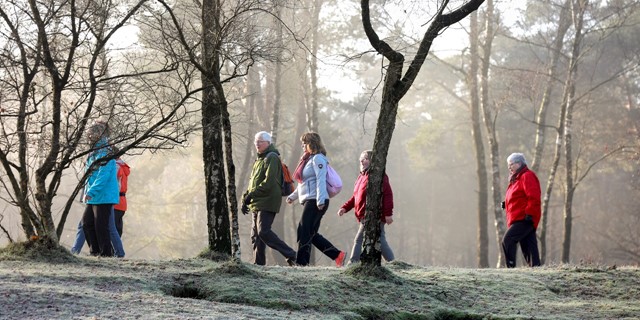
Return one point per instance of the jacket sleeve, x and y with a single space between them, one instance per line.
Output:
387 197
531 187
350 204
320 168
272 176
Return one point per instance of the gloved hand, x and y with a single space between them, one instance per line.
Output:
245 204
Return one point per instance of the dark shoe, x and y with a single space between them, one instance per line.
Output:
292 262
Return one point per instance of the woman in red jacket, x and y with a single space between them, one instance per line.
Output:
358 201
522 203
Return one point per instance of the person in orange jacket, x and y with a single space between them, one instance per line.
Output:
522 204
123 177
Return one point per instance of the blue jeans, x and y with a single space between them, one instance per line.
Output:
116 242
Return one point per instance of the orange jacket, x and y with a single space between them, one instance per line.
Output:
123 177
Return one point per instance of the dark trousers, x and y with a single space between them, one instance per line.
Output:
524 233
118 214
95 224
262 236
308 233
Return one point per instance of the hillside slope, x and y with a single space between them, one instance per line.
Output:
60 286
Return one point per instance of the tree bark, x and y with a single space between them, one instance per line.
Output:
578 9
564 23
212 105
482 251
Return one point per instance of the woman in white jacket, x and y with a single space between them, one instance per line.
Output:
311 192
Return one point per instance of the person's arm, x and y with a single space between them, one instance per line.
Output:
319 163
387 200
273 173
531 187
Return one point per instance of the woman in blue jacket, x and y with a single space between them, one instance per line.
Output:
101 192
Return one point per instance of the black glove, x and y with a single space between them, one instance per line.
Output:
502 204
245 204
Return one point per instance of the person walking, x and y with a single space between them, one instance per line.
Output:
522 205
101 192
311 192
115 232
263 199
358 202
123 181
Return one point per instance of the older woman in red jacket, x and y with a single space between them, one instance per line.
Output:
358 201
522 203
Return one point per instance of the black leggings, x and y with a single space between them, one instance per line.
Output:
308 233
95 223
524 233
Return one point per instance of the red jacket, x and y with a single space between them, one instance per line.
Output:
358 200
123 177
523 197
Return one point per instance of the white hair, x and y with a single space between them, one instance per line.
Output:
517 158
263 135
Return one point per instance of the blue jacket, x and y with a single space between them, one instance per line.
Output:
102 185
314 181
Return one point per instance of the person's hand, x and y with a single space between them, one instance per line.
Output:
87 198
321 206
245 204
341 212
289 200
244 209
388 219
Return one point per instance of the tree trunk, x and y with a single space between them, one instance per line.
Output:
394 88
564 23
489 121
312 119
482 258
578 9
212 105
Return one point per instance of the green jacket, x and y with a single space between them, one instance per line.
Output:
265 183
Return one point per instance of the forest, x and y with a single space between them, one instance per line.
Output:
443 91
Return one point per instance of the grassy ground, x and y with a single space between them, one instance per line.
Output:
41 281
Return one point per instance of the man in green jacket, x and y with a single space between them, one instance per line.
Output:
263 199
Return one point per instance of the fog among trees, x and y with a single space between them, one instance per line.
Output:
557 80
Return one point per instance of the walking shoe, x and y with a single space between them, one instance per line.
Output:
291 262
340 259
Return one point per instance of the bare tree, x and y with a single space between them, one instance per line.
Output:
396 84
234 36
54 83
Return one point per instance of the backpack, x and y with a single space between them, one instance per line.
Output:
286 186
334 183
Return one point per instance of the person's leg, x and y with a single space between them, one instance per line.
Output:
387 253
80 239
114 236
119 215
270 238
89 228
356 251
318 240
304 232
529 246
257 243
102 214
514 234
